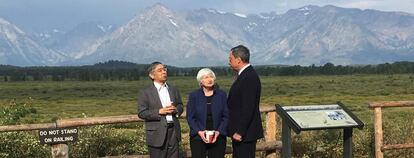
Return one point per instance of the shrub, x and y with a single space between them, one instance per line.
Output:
19 144
22 144
12 113
99 141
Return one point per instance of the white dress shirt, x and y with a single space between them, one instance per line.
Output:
244 67
164 97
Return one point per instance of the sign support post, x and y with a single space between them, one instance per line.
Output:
347 142
286 140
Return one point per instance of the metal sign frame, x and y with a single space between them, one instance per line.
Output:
289 123
297 128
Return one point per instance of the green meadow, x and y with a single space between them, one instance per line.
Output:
75 99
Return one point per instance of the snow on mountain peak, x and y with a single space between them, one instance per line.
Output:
172 22
11 36
306 8
262 16
160 9
157 10
4 22
240 15
7 26
103 28
221 12
214 11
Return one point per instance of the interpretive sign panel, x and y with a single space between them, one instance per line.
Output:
311 117
58 135
317 117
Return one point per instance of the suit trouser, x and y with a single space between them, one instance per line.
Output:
244 149
170 148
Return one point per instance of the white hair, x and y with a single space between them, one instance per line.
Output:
203 72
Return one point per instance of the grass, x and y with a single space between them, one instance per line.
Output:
73 99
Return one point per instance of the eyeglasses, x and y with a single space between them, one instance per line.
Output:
161 69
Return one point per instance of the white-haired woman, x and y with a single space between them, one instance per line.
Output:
207 116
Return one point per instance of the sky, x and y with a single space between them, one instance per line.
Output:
65 14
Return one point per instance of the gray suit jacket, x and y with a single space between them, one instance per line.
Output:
149 104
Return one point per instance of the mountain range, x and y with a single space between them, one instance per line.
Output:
303 36
17 48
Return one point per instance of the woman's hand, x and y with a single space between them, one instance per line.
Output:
216 134
202 134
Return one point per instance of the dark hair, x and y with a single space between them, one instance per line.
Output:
241 52
151 67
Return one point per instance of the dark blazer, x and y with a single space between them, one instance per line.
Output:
197 111
149 104
243 102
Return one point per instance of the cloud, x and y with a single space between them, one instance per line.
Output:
283 4
367 4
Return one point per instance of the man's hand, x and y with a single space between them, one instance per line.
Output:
237 137
173 107
170 109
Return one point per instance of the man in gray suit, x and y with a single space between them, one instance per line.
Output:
160 105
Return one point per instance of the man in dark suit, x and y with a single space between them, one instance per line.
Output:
245 125
160 105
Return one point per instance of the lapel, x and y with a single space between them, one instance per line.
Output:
155 96
215 103
170 92
238 80
202 101
232 88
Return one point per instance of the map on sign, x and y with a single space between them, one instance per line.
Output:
320 116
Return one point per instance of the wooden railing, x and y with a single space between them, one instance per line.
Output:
61 150
379 144
265 146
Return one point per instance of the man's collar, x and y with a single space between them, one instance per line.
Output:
244 67
159 86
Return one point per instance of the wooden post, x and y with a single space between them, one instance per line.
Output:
378 132
60 151
271 127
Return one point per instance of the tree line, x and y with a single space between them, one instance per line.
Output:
120 70
401 67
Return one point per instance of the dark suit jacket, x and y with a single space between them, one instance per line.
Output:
197 111
243 102
149 104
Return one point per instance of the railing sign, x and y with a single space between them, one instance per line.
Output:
58 135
